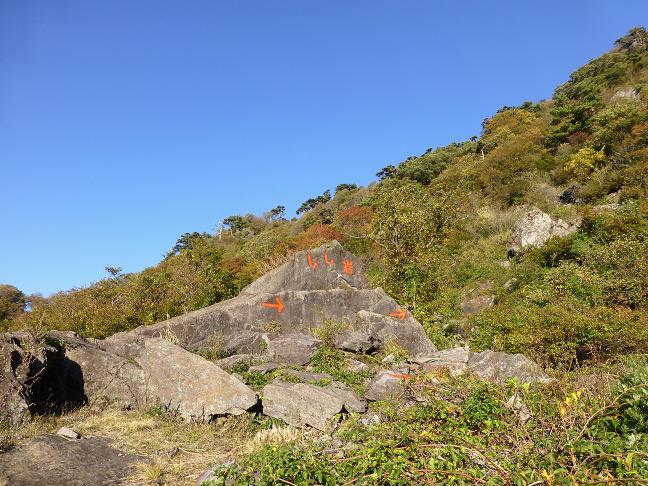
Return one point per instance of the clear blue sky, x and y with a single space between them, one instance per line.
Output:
124 123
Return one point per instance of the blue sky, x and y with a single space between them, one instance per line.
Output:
124 123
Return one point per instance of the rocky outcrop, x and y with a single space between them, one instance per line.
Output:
313 289
102 378
52 459
23 363
305 404
535 227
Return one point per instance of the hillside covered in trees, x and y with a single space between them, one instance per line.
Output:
435 231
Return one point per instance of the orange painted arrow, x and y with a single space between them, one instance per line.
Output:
400 313
311 263
401 376
277 305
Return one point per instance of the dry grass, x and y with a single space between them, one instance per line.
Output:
177 452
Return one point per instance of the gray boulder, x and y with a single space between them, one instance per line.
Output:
500 367
368 331
189 384
488 365
535 227
51 459
154 371
302 404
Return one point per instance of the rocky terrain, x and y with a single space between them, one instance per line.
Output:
319 297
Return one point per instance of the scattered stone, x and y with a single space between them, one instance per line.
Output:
454 360
352 402
504 264
355 366
500 367
470 306
264 368
386 385
231 361
535 227
307 376
370 419
519 408
294 349
51 459
362 340
68 433
511 283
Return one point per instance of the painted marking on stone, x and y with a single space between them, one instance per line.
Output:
277 305
348 267
401 376
400 313
311 262
329 261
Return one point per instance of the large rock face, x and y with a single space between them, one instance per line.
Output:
535 227
313 289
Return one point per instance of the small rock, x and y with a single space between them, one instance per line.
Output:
474 305
385 385
504 264
307 376
231 361
455 360
519 408
370 419
264 368
355 366
511 283
68 433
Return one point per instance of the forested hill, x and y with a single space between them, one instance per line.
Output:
436 228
